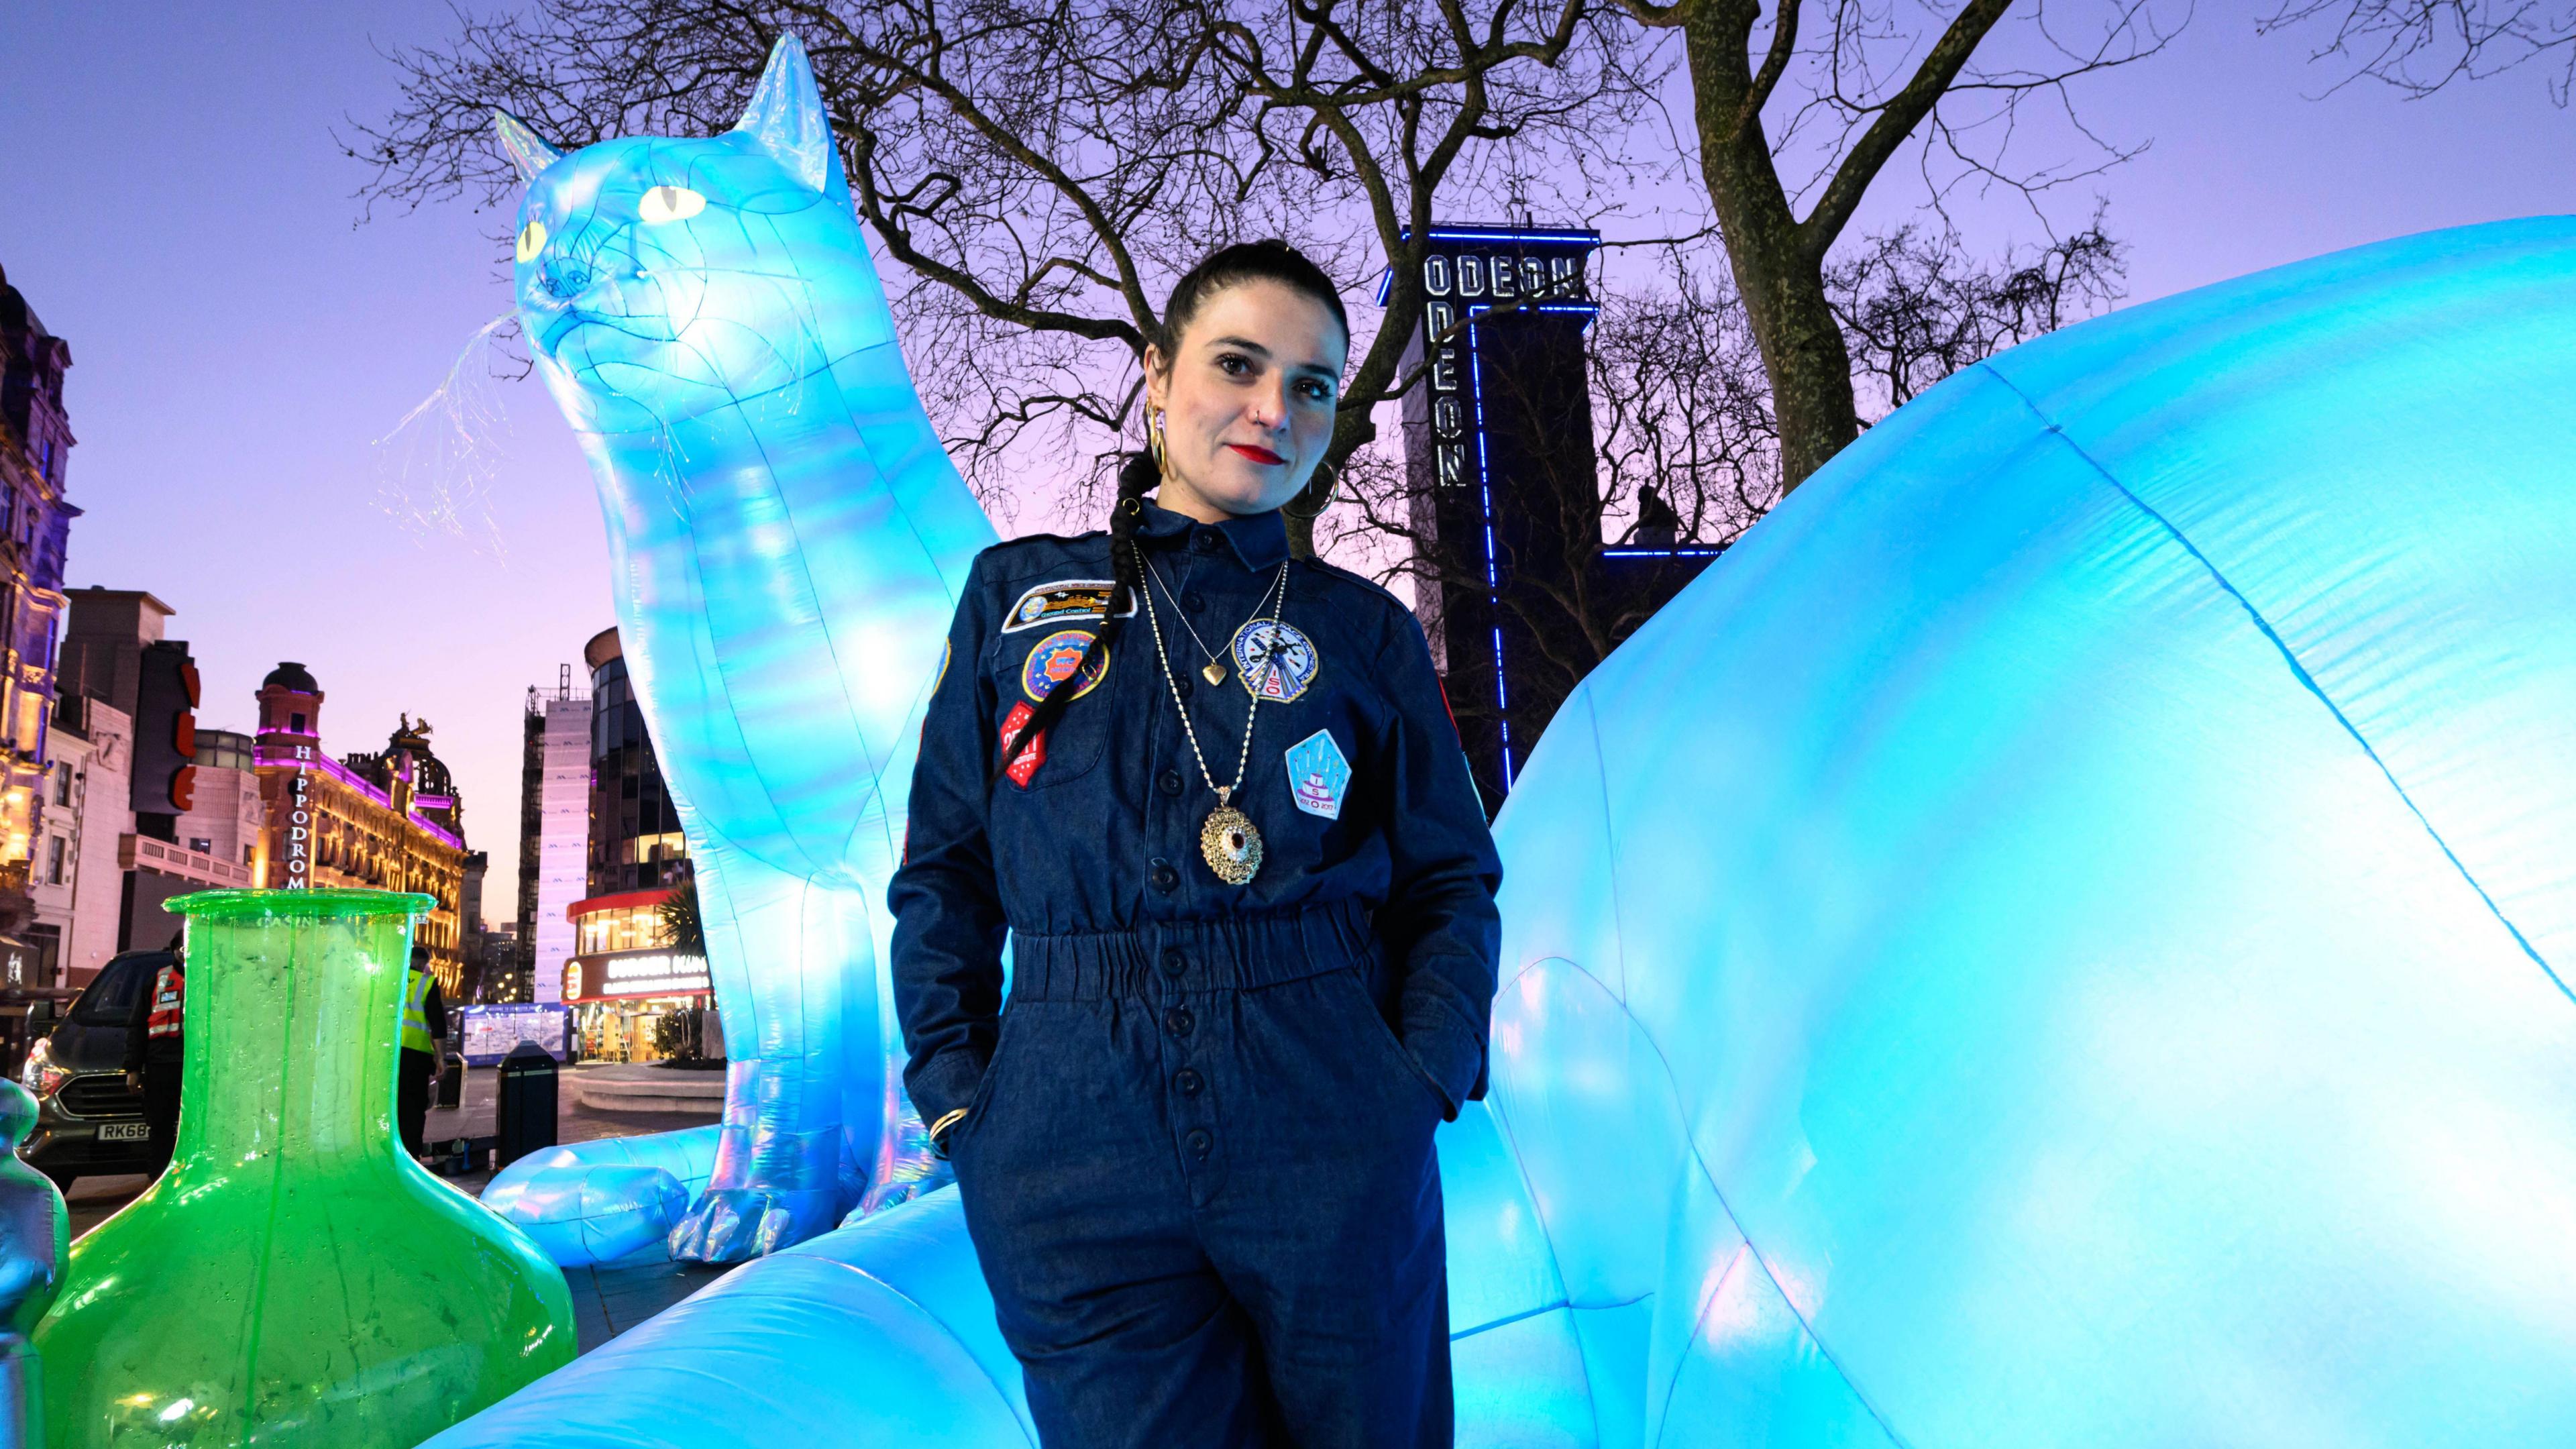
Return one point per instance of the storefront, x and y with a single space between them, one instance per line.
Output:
634 999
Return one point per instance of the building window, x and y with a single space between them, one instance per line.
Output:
62 783
201 845
54 861
295 723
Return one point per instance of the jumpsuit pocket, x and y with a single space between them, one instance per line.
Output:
981 1103
1363 1002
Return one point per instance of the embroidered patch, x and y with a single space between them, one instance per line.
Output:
1054 659
1032 754
1275 661
1319 779
1063 600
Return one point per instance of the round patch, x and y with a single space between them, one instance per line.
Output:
1054 660
1030 611
1275 661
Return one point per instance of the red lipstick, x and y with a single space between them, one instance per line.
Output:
1256 454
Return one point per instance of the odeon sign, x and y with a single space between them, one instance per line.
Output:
1541 271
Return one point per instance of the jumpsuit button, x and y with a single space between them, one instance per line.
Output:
1163 877
1169 782
1200 1142
1182 684
1190 1082
1192 602
1179 1021
1174 963
1203 540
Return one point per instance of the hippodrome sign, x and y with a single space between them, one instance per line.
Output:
299 831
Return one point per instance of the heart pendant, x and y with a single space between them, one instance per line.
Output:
1214 673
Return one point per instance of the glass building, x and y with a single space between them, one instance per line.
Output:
624 975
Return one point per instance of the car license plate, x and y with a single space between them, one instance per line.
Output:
124 1132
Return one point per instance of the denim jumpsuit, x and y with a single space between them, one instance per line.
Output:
1196 1162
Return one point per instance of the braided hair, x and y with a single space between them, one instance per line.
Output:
1269 260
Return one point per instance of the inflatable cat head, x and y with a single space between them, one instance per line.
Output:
660 278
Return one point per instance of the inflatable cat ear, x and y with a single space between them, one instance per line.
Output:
531 152
786 117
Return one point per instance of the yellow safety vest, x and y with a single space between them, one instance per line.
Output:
415 1027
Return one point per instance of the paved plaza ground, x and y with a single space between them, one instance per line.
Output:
607 1300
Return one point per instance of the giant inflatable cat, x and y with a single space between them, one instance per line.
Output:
2061 937
786 538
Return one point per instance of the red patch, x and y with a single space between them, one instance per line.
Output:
1032 754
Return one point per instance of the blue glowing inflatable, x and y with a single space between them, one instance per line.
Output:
786 537
2060 938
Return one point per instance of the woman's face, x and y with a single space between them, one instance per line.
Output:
1247 400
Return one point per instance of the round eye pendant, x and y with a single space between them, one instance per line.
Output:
1231 844
532 240
669 203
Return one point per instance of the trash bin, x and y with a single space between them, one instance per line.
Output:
451 1081
523 1111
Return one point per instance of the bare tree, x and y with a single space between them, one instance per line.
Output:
1042 172
2420 46
1806 106
1915 308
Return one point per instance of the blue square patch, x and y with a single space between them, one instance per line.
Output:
1318 777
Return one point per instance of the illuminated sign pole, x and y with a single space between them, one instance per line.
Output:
1505 414
299 831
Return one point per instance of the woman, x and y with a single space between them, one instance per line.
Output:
1250 899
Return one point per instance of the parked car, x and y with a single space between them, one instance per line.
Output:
89 1123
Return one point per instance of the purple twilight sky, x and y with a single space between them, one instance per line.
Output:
174 205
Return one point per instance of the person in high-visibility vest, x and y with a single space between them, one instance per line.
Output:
424 1026
154 1050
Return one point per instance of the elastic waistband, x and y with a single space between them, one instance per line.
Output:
1230 953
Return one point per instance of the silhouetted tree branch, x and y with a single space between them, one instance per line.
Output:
1807 107
1040 174
2420 46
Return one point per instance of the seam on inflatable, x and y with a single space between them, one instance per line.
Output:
915 1304
1699 1327
1555 1265
2298 671
813 590
1610 843
1672 1084
1672 1088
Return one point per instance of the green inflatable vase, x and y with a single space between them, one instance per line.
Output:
295 1280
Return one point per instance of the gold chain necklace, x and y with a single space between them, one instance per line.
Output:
1214 673
1228 840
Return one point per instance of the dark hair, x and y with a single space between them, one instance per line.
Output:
419 954
1267 260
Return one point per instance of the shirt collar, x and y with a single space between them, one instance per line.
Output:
1260 540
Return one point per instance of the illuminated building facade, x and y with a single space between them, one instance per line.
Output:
1499 451
623 976
35 520
389 820
623 979
635 841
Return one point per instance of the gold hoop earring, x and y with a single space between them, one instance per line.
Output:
1154 439
1332 490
